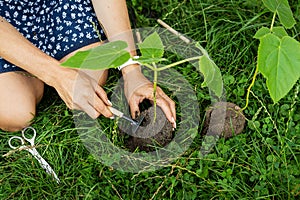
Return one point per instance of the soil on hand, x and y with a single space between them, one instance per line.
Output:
151 133
224 119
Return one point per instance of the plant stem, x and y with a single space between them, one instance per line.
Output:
178 63
149 66
155 70
256 70
249 88
273 21
171 65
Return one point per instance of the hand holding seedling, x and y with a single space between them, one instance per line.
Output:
137 88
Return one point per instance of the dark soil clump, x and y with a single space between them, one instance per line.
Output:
224 119
151 134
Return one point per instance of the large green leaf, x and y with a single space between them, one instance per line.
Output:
212 74
262 32
283 9
151 47
278 31
109 55
279 62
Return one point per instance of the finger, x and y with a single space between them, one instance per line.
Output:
173 110
172 107
161 102
134 107
101 107
102 94
168 107
90 110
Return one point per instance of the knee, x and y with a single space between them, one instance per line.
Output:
16 121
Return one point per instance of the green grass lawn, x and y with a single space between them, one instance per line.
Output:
261 163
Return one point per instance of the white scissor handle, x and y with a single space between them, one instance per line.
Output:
15 138
30 140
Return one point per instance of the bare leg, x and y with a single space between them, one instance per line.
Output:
20 94
19 97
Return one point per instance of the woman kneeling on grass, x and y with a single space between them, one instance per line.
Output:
37 35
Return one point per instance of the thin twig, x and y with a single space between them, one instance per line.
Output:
15 150
169 28
268 113
114 188
158 189
20 149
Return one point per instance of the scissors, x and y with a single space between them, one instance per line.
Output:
31 149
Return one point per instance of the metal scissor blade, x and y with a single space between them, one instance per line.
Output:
44 164
48 169
134 124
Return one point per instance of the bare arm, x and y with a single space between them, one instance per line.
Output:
90 97
113 15
21 52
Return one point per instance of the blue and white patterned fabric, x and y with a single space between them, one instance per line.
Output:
57 27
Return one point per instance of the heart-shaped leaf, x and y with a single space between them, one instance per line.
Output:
212 74
279 62
109 55
278 31
151 47
283 9
262 32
